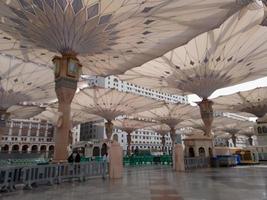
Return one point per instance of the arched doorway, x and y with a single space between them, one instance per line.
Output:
51 148
34 149
115 137
5 148
96 151
210 152
191 152
15 148
25 148
50 151
201 152
104 149
43 149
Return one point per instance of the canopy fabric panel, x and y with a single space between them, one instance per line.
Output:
251 101
130 125
232 126
220 125
110 37
161 129
171 114
226 56
52 115
24 111
110 103
24 82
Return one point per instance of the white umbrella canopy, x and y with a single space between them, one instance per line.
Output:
24 111
170 114
222 57
130 125
162 129
110 103
52 115
24 82
220 124
109 36
235 126
253 102
247 131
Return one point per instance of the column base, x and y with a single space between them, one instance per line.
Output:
178 158
115 153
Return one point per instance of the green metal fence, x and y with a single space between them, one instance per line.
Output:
147 160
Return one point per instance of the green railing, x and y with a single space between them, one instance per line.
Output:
147 160
24 162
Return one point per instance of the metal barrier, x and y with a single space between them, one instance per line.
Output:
196 162
262 156
28 176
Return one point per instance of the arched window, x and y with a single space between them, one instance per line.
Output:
104 149
34 149
43 148
15 148
210 152
115 137
201 152
5 148
51 148
259 130
96 151
191 152
25 148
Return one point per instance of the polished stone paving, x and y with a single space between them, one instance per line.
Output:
160 183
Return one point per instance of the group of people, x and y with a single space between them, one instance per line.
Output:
74 157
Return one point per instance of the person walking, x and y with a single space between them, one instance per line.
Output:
71 158
77 158
104 165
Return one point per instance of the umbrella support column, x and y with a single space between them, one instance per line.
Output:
250 140
206 112
163 142
234 139
178 158
115 154
109 129
129 140
3 119
67 72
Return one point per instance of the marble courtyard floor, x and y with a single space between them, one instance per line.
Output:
160 183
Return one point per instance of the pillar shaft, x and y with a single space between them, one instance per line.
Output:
163 141
206 112
234 139
62 139
67 72
178 158
109 129
250 140
129 140
227 142
173 136
4 116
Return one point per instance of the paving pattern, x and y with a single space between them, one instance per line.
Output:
160 183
